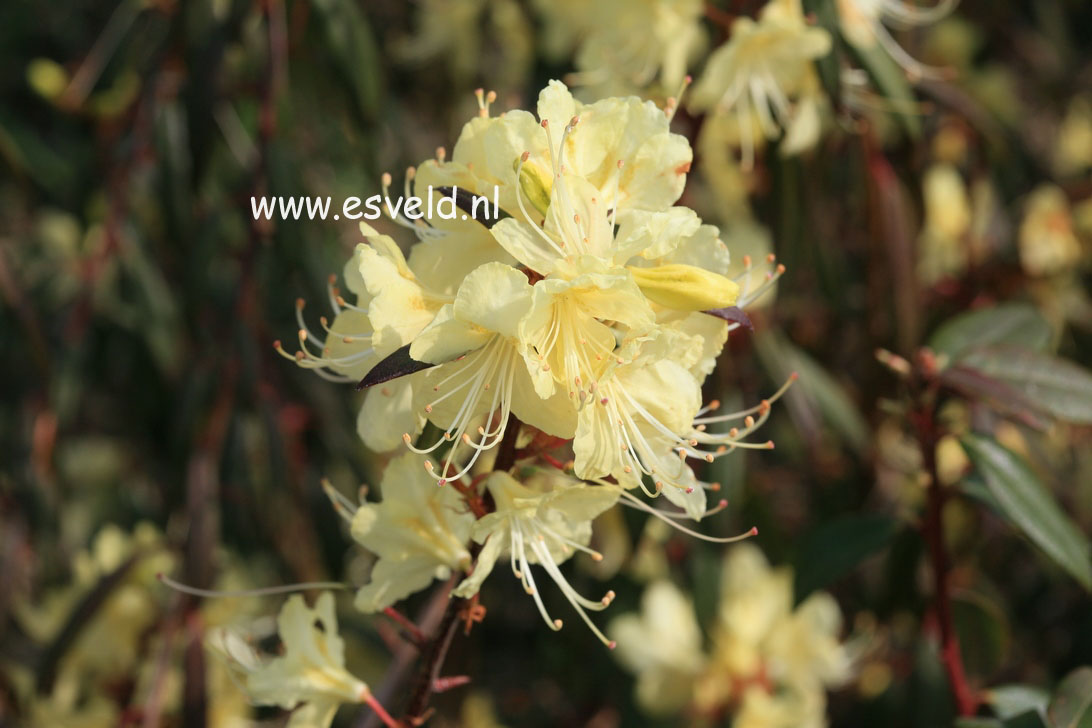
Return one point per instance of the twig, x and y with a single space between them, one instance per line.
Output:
933 533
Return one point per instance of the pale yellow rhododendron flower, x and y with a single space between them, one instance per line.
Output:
1073 147
663 645
765 76
418 532
943 246
863 24
628 45
541 521
768 663
309 678
1048 242
472 37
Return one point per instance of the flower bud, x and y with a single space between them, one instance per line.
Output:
685 287
534 186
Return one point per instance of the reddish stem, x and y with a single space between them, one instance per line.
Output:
933 533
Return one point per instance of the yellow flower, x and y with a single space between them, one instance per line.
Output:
460 33
770 664
663 646
765 75
310 677
863 25
943 246
418 532
1073 148
541 521
1048 243
629 44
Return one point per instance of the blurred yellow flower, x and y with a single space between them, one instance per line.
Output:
1048 242
310 677
765 74
768 663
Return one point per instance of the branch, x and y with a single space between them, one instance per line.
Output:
933 533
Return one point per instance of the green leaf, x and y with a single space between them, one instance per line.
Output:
1010 323
1071 706
833 549
1009 701
975 385
1027 719
983 629
1051 385
1029 506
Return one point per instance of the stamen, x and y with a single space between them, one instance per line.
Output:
263 592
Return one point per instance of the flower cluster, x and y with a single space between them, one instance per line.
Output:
588 316
768 662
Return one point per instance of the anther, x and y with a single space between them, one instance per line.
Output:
441 154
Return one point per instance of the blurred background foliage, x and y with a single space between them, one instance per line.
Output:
145 413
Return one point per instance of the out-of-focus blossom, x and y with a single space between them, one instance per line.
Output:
768 664
474 39
1048 242
765 76
1073 146
864 24
663 646
309 678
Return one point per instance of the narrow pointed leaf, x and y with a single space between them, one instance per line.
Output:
1030 507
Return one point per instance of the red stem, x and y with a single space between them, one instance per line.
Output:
933 533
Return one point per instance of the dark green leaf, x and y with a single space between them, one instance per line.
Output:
1029 506
1010 323
1071 706
983 629
1051 385
1027 719
833 549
